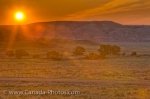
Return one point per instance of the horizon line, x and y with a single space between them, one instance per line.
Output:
76 21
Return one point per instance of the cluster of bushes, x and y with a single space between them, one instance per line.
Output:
102 52
23 54
17 53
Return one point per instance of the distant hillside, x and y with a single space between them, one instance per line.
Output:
96 31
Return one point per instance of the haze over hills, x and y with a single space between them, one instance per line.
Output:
96 31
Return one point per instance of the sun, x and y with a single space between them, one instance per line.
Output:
19 16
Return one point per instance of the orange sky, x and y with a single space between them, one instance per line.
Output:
122 11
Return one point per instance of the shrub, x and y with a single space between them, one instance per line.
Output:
94 56
115 50
21 53
79 51
36 56
10 53
109 50
54 55
123 54
134 53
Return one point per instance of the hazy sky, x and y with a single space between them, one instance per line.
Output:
123 11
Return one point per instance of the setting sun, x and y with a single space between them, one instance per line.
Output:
19 16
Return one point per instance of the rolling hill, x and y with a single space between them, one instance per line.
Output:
96 31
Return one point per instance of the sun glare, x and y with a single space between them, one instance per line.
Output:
19 16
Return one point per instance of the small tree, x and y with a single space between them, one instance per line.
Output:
79 51
54 55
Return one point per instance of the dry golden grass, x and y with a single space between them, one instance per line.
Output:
119 78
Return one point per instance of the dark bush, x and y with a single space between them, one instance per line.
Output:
10 53
54 55
134 53
123 54
109 50
79 51
115 50
94 56
21 53
36 56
